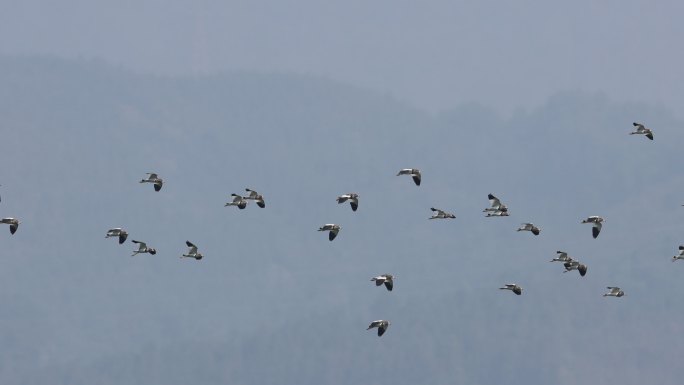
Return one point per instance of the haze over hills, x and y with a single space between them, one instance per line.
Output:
274 301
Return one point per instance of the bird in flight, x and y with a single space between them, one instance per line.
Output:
512 287
381 324
117 232
597 222
680 255
414 172
387 279
255 196
562 257
496 209
353 199
192 252
333 228
142 248
575 265
530 227
12 222
238 201
642 130
154 179
614 291
440 214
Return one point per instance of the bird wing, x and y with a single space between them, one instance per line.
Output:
494 201
333 234
416 178
152 175
389 284
649 135
639 126
381 329
596 229
193 248
142 246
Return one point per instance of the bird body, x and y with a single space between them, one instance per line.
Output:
387 279
530 227
353 199
255 196
381 324
117 232
332 228
512 287
142 248
597 223
614 291
642 130
12 222
154 179
414 172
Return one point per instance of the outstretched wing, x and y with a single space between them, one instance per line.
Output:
332 234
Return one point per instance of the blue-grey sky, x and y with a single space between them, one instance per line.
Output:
433 54
304 101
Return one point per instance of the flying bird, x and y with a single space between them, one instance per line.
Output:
562 257
142 248
440 214
530 227
353 199
387 279
680 256
192 252
13 222
333 228
154 179
614 292
238 201
496 209
642 130
512 287
381 324
575 265
255 196
414 172
597 222
117 232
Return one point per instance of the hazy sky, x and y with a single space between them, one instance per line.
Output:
434 54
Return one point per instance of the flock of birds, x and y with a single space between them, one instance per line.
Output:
496 209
